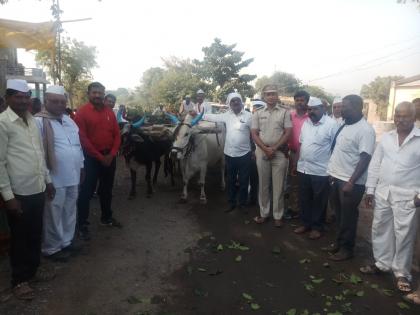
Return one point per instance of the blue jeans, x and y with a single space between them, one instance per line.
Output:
238 169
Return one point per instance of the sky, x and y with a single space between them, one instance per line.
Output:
336 44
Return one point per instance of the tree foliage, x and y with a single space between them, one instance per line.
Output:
77 61
287 83
378 91
221 69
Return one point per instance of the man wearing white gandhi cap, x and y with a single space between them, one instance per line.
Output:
237 148
201 105
336 110
64 159
24 181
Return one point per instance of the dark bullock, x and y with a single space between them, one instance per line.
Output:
139 148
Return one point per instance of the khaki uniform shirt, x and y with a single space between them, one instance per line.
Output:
22 163
271 123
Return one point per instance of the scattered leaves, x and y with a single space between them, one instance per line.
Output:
360 293
133 300
247 296
255 306
238 246
339 297
292 311
355 279
304 312
238 258
388 292
305 261
276 250
318 281
199 292
219 247
374 286
403 306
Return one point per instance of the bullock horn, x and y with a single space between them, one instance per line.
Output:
119 115
173 118
139 123
197 119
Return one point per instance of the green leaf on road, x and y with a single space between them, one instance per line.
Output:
339 297
355 279
360 293
374 286
326 265
276 250
292 311
202 269
247 296
219 247
335 313
199 292
305 261
304 312
403 306
318 281
133 300
255 306
388 292
238 258
308 286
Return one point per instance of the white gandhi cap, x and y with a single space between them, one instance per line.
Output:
337 100
314 101
56 89
18 85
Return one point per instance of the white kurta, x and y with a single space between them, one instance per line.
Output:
394 178
60 213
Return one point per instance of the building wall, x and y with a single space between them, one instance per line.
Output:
400 94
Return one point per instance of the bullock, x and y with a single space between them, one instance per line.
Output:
139 149
196 149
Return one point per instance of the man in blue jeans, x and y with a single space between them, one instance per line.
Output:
237 148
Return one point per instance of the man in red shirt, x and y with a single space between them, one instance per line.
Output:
100 139
298 117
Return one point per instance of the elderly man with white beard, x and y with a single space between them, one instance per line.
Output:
393 182
64 159
237 148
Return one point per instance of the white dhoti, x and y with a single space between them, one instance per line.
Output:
60 220
393 235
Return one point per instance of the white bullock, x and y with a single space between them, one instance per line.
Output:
198 144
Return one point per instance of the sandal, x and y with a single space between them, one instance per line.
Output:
403 284
413 297
371 270
23 291
260 220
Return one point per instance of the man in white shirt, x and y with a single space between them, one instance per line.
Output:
24 182
201 105
316 137
351 153
186 106
416 103
336 110
237 148
393 181
64 159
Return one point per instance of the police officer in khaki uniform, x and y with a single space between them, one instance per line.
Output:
271 129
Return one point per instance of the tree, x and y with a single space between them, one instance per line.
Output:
77 60
287 83
319 92
378 91
221 68
168 85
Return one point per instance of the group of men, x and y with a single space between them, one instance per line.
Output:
337 161
50 166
